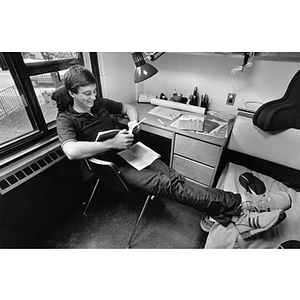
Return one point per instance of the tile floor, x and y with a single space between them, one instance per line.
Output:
110 220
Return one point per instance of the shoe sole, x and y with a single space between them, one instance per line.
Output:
250 233
288 207
252 184
205 224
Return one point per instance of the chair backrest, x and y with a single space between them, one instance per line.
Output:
62 98
282 113
108 174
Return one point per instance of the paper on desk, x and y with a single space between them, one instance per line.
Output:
209 127
189 122
165 112
220 131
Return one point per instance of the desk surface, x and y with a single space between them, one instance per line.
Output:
152 124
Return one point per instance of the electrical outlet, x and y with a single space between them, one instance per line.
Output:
230 99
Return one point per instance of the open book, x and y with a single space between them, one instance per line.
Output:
139 155
109 134
105 135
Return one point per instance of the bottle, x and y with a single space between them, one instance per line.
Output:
195 97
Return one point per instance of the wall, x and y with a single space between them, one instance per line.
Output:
116 75
264 81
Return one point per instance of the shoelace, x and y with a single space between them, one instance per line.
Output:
249 206
260 203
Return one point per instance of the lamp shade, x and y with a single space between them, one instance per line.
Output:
143 70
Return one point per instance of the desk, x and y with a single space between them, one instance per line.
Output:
193 154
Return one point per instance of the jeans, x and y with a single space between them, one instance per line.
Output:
160 180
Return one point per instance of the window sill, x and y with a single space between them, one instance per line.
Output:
10 159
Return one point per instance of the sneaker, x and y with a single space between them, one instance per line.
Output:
267 202
206 223
250 223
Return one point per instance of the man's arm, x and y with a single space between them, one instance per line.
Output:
84 149
131 112
133 116
81 149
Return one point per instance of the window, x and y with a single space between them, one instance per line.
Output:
44 84
27 80
13 118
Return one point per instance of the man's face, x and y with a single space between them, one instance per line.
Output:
85 97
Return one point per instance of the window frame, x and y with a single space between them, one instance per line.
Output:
42 132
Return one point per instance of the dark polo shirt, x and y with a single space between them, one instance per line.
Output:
75 126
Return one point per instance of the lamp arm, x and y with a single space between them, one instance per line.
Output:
153 58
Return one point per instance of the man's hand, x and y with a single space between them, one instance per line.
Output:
133 127
123 140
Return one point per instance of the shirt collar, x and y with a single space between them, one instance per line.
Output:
76 113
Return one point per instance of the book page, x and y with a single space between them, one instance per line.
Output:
139 156
142 151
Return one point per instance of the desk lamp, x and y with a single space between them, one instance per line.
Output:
143 70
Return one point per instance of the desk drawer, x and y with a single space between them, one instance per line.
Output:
197 150
193 170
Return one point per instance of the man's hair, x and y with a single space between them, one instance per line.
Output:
76 77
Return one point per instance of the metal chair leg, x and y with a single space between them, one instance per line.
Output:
138 219
93 192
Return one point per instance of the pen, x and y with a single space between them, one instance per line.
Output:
162 122
138 123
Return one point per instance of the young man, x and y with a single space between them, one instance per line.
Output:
86 115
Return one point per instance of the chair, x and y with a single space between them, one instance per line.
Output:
282 113
108 174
